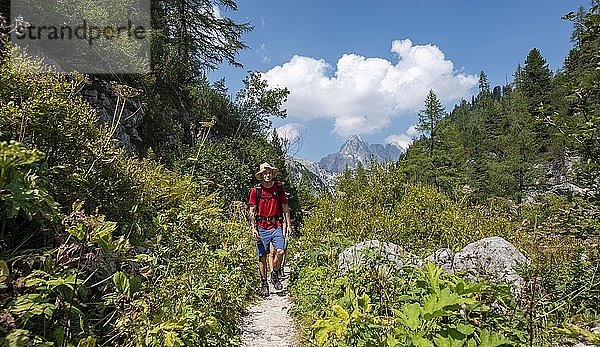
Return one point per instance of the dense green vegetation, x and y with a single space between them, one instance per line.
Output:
378 308
485 169
151 248
102 247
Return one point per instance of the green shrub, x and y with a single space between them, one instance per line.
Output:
367 307
99 248
421 307
381 205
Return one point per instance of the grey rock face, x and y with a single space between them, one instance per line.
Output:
378 254
355 151
319 177
560 177
386 152
491 258
123 119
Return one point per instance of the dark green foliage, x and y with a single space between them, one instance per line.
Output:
579 122
494 156
228 167
189 38
534 79
370 306
484 85
380 203
429 118
219 168
256 103
418 308
98 248
490 147
194 37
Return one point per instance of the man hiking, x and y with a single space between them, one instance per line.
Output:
270 219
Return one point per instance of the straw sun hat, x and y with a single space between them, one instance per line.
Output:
262 169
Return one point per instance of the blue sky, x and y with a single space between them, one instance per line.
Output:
365 68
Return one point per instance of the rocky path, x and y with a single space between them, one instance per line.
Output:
268 324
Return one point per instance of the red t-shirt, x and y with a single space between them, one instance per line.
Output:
269 205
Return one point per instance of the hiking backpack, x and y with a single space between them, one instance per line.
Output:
279 192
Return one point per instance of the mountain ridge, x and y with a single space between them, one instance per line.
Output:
355 150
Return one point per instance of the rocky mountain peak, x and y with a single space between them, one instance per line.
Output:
354 146
356 150
353 151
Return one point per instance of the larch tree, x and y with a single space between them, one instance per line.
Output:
429 118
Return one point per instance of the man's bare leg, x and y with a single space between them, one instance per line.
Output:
278 259
271 256
262 267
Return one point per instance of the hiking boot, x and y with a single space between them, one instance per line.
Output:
264 289
275 280
281 274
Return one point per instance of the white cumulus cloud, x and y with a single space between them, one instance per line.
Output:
364 94
405 139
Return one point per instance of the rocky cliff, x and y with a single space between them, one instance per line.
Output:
355 151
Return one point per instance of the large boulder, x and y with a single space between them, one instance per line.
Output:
444 258
491 258
377 255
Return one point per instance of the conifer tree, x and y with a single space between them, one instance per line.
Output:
581 122
534 80
484 85
429 118
497 93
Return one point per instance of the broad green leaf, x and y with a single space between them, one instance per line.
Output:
340 312
135 284
436 304
78 231
421 342
465 328
121 282
441 341
433 272
102 234
391 341
492 339
17 338
29 305
409 316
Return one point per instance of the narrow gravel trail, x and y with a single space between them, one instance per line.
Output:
268 322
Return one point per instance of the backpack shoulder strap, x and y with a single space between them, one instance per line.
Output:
258 195
280 191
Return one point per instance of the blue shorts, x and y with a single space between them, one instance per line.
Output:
268 236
